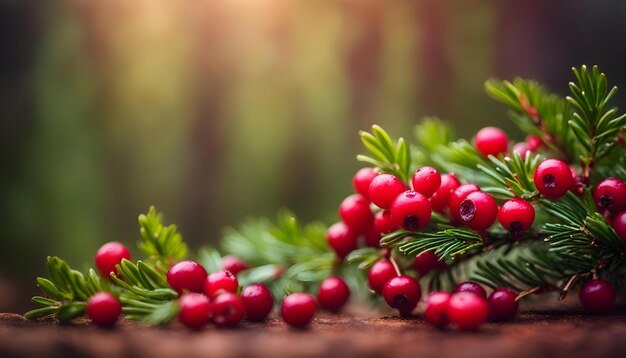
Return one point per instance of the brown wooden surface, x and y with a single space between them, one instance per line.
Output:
551 334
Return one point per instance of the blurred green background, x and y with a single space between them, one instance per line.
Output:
217 110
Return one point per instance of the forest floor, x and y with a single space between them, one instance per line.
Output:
532 334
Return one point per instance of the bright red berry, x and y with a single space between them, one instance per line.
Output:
467 310
619 224
220 282
521 148
426 262
610 195
228 310
342 239
333 294
362 180
109 255
471 287
534 142
402 293
597 296
103 309
426 181
553 178
457 197
371 237
298 309
439 200
502 304
257 301
384 223
478 211
186 276
516 216
491 141
195 310
411 210
233 264
355 212
436 312
383 190
378 275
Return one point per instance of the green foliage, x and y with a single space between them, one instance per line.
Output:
66 291
513 176
383 153
286 255
594 124
447 242
163 245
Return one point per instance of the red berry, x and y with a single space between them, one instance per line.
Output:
109 255
103 309
371 237
342 239
619 224
436 312
502 304
186 276
258 302
426 262
471 287
491 141
553 178
384 189
521 148
298 309
457 197
220 282
411 211
610 195
333 294
233 264
378 275
426 181
355 212
516 216
534 142
597 296
467 310
478 211
384 223
195 310
362 180
439 200
228 310
402 293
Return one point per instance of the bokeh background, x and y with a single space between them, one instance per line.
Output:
218 110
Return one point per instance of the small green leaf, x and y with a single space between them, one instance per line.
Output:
41 312
71 310
43 301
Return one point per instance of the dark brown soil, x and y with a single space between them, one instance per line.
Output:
546 334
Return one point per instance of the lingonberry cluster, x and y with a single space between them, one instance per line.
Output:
383 203
216 297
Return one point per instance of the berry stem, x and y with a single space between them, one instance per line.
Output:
567 286
525 293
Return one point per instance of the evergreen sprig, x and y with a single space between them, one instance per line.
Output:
594 123
382 152
67 291
162 244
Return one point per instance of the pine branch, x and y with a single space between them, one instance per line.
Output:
163 245
383 153
67 291
594 124
447 243
538 112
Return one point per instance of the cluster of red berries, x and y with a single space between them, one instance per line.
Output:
383 204
468 306
216 297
